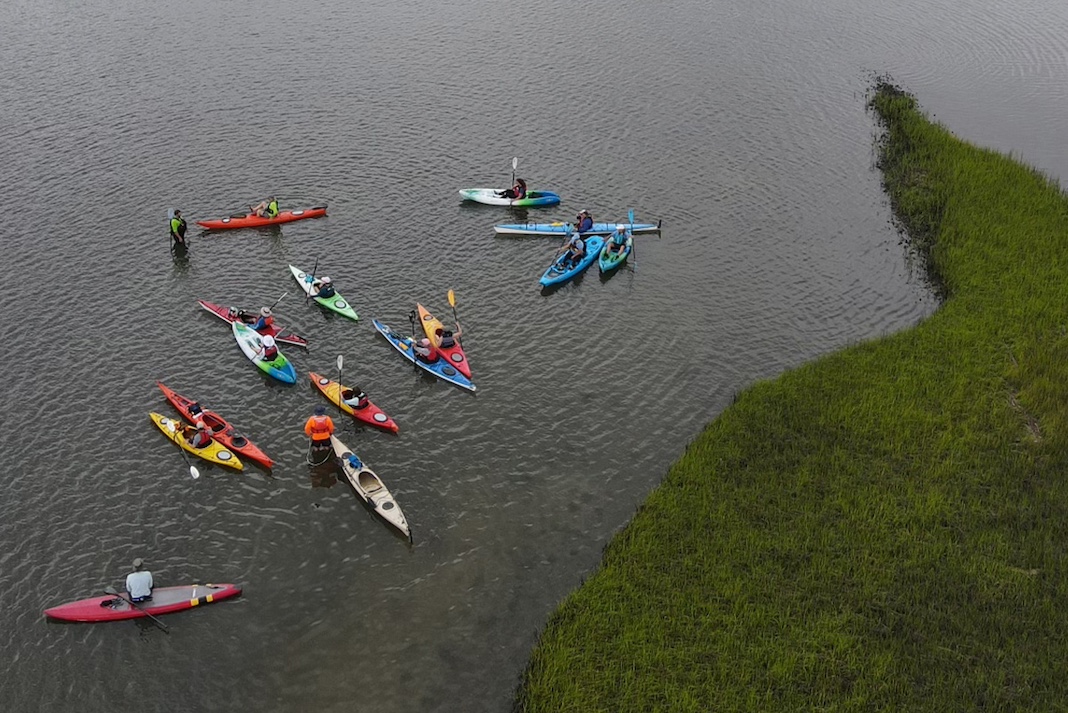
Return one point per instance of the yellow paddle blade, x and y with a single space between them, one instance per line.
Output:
452 298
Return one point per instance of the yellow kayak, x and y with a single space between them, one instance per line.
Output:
455 353
214 452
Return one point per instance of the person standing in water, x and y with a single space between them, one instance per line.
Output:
178 227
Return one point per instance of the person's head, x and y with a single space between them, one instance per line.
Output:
268 341
270 199
583 212
320 410
521 182
138 564
177 213
424 342
325 280
265 312
201 426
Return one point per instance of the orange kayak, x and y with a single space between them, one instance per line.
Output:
256 221
455 353
370 414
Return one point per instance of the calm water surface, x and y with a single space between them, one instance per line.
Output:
741 125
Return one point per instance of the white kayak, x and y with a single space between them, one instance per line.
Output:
369 486
561 228
490 196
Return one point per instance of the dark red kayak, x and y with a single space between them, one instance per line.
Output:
231 315
221 430
250 220
164 601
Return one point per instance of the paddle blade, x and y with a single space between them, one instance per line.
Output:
193 472
111 591
340 362
452 298
630 217
515 162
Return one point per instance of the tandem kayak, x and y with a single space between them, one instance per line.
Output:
231 315
251 344
369 487
336 303
455 354
489 196
214 452
610 260
440 368
221 430
568 228
257 221
369 414
165 600
561 270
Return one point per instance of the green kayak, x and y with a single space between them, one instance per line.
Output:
337 303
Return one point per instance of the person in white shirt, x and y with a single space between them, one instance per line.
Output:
139 582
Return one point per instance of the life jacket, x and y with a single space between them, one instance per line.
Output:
178 227
270 353
319 428
325 292
272 209
200 439
447 340
520 189
263 323
585 224
432 353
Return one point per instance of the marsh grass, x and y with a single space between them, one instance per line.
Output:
881 530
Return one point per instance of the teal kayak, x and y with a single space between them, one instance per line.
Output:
563 270
252 345
440 368
336 303
609 259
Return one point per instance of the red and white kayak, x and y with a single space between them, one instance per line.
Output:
230 315
259 221
165 600
221 430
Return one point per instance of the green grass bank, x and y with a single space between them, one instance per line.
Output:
881 530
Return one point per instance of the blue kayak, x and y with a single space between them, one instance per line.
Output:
609 261
440 368
561 270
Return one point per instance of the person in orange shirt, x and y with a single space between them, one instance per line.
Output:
319 428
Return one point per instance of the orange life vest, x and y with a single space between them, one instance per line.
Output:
319 428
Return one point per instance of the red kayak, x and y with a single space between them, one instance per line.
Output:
221 430
258 221
164 601
231 315
369 414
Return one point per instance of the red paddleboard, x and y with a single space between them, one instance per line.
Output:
258 221
221 430
229 316
164 601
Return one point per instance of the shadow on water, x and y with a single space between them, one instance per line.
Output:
180 256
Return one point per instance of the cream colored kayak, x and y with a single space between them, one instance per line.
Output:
214 452
369 487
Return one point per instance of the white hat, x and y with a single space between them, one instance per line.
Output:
268 340
325 280
266 311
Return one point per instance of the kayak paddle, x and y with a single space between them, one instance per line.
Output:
307 293
452 303
340 364
192 469
515 162
415 356
633 255
278 300
110 591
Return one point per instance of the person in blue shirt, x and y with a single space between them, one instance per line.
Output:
617 242
576 249
265 321
583 221
139 582
325 288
